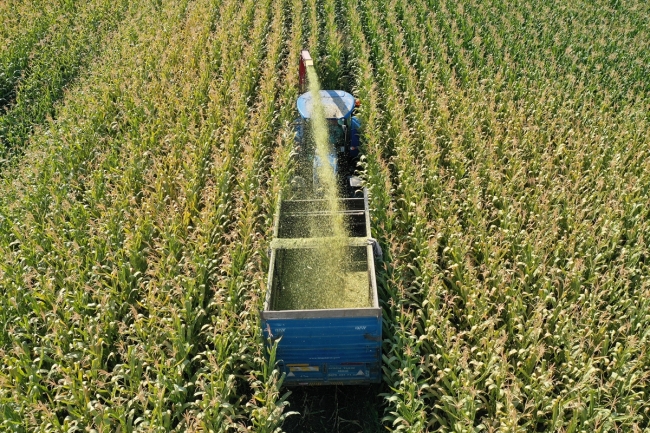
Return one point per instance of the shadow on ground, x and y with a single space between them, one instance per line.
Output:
335 409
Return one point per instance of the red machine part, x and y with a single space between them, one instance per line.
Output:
305 62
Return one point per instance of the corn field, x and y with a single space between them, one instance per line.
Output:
506 149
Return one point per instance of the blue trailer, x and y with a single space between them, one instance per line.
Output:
324 346
339 341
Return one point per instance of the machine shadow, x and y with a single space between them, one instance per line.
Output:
335 409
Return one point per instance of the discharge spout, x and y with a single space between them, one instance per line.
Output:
305 62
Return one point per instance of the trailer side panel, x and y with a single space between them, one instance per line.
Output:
326 351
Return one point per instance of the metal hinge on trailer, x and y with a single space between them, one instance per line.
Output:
376 249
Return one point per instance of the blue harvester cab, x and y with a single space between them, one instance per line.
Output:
344 127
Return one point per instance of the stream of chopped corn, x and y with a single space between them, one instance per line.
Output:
319 277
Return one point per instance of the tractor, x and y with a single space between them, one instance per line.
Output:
343 134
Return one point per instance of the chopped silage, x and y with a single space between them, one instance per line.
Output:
304 286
